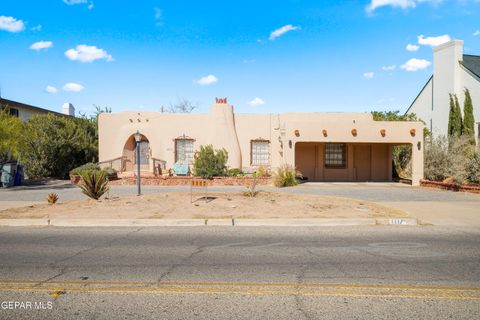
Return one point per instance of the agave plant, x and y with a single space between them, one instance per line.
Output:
94 183
52 198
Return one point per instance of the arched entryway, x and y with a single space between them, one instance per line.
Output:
129 154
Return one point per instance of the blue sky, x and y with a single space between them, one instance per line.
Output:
265 56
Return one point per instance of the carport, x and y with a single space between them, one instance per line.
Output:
341 161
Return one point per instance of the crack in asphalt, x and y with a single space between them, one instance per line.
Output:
198 250
64 268
299 301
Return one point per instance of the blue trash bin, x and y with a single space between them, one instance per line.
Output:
18 176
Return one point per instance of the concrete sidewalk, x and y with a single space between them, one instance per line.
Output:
204 222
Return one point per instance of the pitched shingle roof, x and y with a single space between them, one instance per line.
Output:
472 63
13 104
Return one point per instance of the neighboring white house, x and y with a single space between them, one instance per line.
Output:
453 71
26 111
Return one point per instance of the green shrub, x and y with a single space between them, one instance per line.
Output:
235 172
51 146
285 176
90 166
448 158
210 163
111 172
473 168
261 172
94 183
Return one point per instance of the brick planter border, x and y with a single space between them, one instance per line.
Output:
450 186
185 181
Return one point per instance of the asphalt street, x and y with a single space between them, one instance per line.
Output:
424 272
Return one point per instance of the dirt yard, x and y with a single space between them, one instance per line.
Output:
218 205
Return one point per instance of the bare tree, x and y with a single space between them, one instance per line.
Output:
181 106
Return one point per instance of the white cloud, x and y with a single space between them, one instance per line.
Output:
248 61
41 45
207 80
90 5
281 31
368 75
403 4
84 53
11 24
412 47
433 41
413 65
158 16
389 68
73 87
36 28
476 33
73 2
51 89
256 102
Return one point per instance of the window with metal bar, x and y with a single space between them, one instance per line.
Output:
184 150
336 155
260 152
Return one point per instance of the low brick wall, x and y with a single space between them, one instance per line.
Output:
450 186
185 181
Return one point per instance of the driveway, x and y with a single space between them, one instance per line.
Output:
430 206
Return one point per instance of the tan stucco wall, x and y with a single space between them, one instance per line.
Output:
222 128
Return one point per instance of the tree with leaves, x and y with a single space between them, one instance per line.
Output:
454 117
51 146
468 129
210 163
393 116
11 128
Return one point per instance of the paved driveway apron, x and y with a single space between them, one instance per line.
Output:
429 205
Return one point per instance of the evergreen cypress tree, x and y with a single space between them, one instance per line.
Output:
451 116
457 123
468 119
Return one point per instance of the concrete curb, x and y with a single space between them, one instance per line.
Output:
23 222
205 222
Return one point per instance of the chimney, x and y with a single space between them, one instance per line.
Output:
68 109
446 67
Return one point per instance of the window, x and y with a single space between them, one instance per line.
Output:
184 150
13 112
336 155
260 152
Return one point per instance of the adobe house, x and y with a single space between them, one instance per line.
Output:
322 146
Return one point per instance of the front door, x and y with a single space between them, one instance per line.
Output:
144 150
362 159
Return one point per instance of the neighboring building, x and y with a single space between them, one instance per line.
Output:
453 71
26 111
322 146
